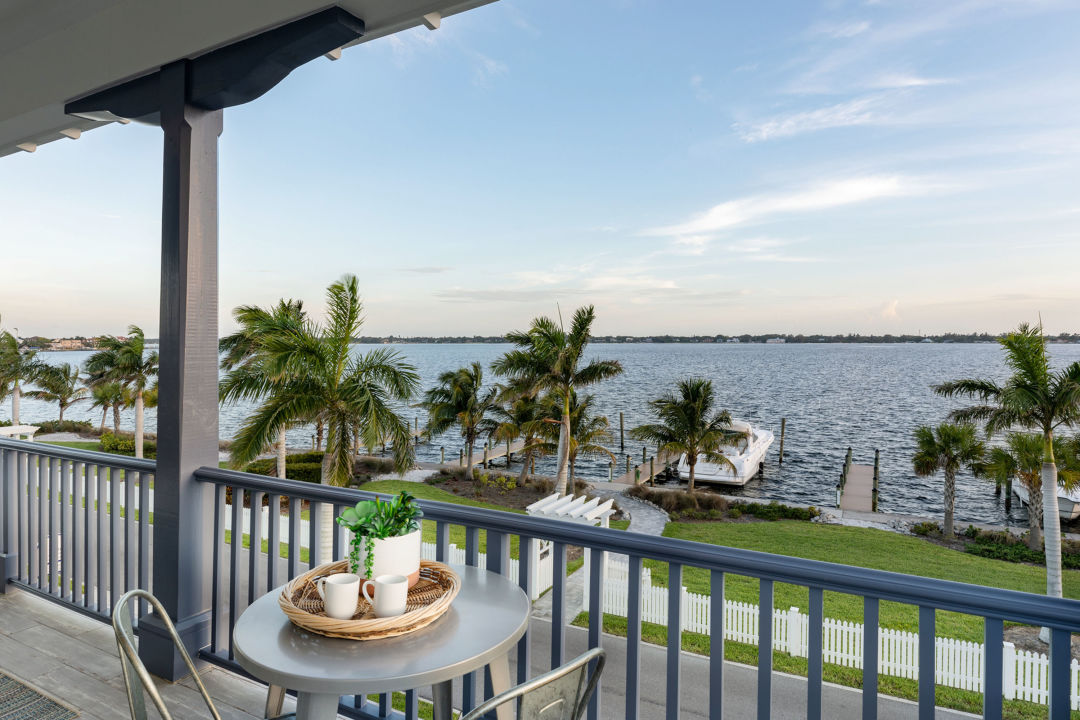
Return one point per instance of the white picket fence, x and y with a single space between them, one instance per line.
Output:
959 663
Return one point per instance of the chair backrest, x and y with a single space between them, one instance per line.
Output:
137 680
562 694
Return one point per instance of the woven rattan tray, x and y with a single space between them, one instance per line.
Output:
428 599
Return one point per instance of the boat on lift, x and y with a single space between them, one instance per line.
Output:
1068 500
747 458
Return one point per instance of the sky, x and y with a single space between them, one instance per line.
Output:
871 166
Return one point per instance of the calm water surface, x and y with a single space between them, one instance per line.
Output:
833 396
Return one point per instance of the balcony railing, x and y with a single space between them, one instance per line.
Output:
239 575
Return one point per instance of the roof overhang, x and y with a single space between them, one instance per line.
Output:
54 53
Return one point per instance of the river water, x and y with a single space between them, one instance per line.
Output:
833 396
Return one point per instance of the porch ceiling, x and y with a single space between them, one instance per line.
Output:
52 53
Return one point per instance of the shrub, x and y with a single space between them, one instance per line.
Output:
925 529
71 426
125 445
1003 545
303 470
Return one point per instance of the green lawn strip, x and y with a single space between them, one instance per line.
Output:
77 444
861 547
965 700
425 710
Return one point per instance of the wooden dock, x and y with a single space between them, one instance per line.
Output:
500 450
858 486
647 470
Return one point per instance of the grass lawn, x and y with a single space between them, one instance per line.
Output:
862 547
77 444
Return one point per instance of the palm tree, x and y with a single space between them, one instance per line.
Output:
109 396
1021 457
520 417
244 363
947 448
688 423
549 359
587 432
1035 397
17 366
315 375
126 361
461 399
61 384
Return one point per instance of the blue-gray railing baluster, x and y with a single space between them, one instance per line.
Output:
35 519
498 552
78 533
472 546
131 530
870 658
815 626
295 521
41 492
314 527
116 536
9 521
23 490
386 705
993 635
633 636
596 617
145 510
273 541
927 671
102 540
525 570
336 535
412 705
764 673
67 556
716 645
1060 654
54 527
217 553
674 639
558 604
236 542
442 541
90 550
254 545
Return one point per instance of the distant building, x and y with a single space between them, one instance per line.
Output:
734 340
64 344
775 341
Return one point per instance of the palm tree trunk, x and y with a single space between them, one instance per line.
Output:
62 406
950 502
15 396
104 414
564 448
281 455
526 456
1008 494
692 461
469 443
1035 516
116 419
570 475
1051 528
139 424
318 435
326 517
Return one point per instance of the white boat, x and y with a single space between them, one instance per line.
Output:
746 459
1068 502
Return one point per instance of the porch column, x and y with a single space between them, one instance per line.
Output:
187 400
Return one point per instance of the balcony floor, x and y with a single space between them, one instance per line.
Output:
74 658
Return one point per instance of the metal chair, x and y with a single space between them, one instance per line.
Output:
562 694
137 680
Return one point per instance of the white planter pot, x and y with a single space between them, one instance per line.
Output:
395 556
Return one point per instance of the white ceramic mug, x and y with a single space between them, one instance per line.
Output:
391 593
340 593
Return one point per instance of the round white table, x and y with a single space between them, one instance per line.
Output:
486 619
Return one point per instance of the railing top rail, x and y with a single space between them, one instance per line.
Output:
942 594
86 456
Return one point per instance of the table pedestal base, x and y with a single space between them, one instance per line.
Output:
310 706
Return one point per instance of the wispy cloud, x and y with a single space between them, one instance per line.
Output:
427 269
824 196
840 30
766 249
889 310
892 81
486 69
860 111
697 84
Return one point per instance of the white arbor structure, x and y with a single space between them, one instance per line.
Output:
595 512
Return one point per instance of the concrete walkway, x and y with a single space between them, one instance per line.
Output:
645 517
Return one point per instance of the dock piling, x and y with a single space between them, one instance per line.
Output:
611 471
622 436
487 451
783 428
652 471
442 455
461 458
